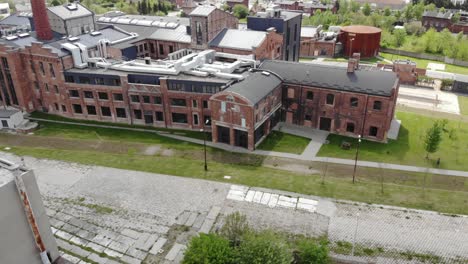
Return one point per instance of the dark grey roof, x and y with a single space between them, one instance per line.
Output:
7 113
255 86
238 39
203 10
65 13
436 14
361 81
15 20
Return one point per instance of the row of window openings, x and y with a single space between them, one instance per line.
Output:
354 102
183 102
87 80
41 67
144 47
46 87
350 127
138 114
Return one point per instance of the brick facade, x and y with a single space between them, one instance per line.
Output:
312 47
205 28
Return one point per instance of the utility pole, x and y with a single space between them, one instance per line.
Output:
356 158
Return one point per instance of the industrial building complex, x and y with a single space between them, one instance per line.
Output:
191 73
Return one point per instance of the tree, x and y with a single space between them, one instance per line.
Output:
311 252
366 10
144 7
400 36
225 7
209 248
456 18
433 138
55 3
355 6
240 11
387 11
234 228
264 247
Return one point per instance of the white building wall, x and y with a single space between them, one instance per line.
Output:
13 121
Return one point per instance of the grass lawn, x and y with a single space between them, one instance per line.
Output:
463 102
421 63
186 133
409 148
282 142
368 191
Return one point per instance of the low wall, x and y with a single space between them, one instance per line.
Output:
443 59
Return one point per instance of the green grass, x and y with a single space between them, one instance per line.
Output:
186 133
463 102
282 142
422 63
409 148
367 191
50 129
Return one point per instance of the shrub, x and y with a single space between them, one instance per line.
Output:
263 247
234 228
311 252
209 248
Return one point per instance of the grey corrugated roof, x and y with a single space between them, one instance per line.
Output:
436 14
7 113
204 10
63 12
178 34
238 39
15 20
255 86
366 82
168 19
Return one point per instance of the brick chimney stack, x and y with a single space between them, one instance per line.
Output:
41 20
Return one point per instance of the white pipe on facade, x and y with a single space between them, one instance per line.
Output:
131 68
197 73
84 52
76 55
133 35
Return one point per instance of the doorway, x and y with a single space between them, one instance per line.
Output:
223 135
325 123
241 138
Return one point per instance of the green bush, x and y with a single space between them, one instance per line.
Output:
264 247
312 252
234 228
209 249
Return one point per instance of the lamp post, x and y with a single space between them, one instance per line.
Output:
356 158
351 47
204 141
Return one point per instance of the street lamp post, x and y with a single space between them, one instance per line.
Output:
204 142
356 158
351 47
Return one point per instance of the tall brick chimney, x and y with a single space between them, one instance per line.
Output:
41 20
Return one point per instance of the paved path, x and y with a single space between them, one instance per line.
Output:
153 215
303 156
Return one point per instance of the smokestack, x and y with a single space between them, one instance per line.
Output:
41 20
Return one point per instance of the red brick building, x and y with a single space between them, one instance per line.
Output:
315 43
440 21
262 45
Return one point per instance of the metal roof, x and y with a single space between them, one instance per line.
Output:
204 10
238 39
7 113
367 82
308 32
15 20
66 13
178 34
255 86
436 14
